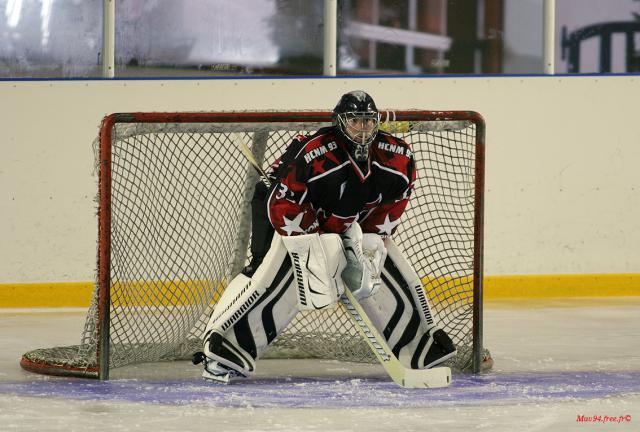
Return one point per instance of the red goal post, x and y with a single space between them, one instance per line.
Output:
174 227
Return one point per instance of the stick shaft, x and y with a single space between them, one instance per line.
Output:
252 160
404 377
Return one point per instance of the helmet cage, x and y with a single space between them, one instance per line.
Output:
360 127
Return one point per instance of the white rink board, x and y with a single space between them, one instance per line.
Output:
562 183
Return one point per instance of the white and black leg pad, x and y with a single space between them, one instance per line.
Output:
251 312
317 262
402 314
237 299
228 354
434 348
400 269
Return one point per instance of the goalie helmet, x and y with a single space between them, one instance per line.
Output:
356 118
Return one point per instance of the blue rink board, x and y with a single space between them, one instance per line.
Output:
495 389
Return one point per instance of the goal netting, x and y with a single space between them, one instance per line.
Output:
174 229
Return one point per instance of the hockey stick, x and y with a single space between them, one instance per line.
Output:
404 377
251 159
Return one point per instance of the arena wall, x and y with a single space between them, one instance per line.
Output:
562 178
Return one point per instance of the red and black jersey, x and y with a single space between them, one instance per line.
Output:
319 187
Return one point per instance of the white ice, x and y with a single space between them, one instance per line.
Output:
554 361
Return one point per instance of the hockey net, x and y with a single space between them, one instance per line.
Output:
174 228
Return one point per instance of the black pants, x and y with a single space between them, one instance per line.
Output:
261 229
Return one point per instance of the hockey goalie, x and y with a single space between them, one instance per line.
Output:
326 225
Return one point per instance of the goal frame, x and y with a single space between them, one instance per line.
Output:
101 370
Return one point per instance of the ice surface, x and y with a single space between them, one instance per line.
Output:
554 362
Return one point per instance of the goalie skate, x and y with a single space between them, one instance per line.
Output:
215 371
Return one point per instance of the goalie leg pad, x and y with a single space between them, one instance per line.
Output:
219 368
222 354
317 262
243 291
439 348
251 313
400 269
237 299
401 313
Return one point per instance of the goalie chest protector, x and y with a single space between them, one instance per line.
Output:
317 177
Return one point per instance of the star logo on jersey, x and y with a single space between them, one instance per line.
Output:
291 226
317 165
388 226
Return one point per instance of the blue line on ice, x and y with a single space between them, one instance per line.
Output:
340 393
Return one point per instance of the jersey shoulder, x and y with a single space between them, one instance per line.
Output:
300 145
317 139
321 145
388 147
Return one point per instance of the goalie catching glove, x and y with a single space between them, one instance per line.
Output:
365 254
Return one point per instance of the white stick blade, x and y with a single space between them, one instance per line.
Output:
401 375
427 378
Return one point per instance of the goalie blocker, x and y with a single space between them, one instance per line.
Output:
306 272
